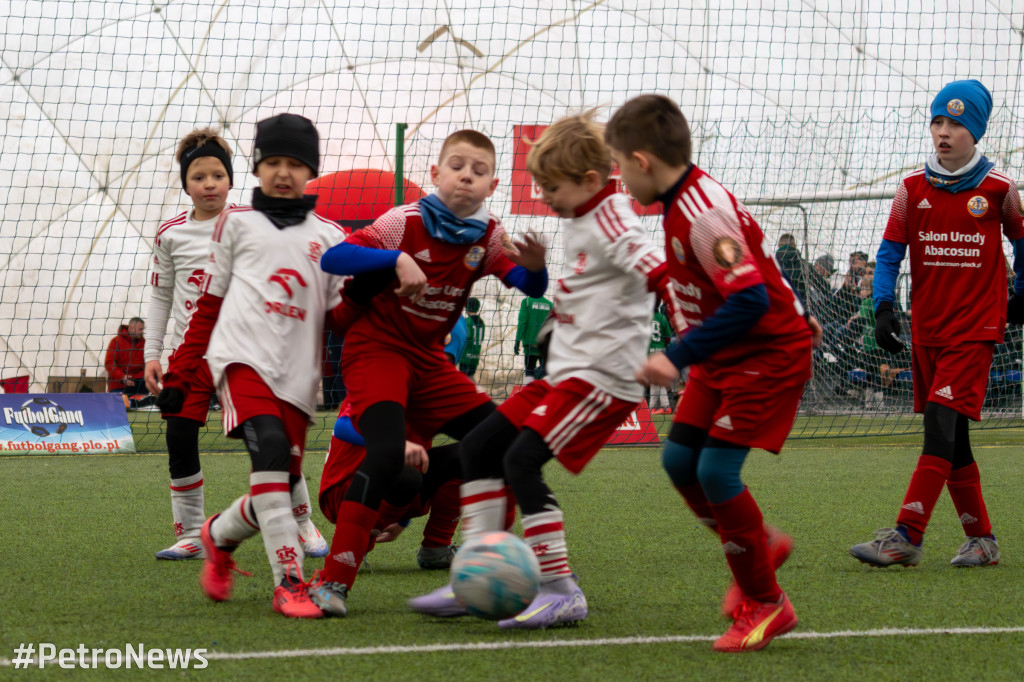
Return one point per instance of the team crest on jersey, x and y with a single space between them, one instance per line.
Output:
474 257
728 252
977 206
955 107
677 248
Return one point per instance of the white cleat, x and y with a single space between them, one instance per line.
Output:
313 544
185 548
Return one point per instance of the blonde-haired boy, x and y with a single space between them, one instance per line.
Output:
600 327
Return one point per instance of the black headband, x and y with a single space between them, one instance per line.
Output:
209 149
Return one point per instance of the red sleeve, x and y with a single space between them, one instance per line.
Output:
723 251
189 354
657 281
896 228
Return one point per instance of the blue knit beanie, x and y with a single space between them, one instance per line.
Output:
966 102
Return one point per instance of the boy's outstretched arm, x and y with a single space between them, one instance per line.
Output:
530 275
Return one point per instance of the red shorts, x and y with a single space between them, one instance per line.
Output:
197 402
752 411
343 461
244 395
431 388
954 376
574 418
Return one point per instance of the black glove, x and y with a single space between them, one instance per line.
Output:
1015 309
515 349
887 329
170 400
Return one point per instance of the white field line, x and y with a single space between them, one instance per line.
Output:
556 643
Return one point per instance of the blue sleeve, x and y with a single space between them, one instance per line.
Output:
1018 266
349 259
887 270
343 430
728 324
457 345
531 283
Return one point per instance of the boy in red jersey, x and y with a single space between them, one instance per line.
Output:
394 363
949 216
745 336
601 320
180 255
259 323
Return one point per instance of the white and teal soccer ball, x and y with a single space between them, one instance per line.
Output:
495 576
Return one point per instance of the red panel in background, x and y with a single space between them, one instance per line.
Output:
526 194
355 198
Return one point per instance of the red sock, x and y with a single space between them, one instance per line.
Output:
745 544
964 486
445 509
351 539
923 492
698 503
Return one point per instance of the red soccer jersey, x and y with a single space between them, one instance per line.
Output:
451 270
957 268
715 248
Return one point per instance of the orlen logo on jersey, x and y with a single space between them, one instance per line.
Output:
287 278
197 277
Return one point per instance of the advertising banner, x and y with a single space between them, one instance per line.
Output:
63 424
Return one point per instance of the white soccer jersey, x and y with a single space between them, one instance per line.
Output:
603 309
275 299
180 254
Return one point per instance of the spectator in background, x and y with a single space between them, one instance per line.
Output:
475 330
532 313
124 359
792 264
819 289
846 300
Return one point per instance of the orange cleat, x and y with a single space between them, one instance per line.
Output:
291 599
757 623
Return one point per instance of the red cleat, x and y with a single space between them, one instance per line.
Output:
291 599
216 578
757 623
780 546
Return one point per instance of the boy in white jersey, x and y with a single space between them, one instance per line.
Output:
259 323
601 320
180 255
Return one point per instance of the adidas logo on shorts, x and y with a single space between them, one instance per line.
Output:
945 392
732 548
724 422
966 518
915 507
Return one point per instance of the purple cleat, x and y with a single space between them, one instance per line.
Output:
440 603
548 609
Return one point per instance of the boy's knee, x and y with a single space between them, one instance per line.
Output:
680 463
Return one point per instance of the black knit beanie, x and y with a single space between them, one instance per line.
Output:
287 135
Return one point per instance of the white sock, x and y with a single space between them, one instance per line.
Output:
187 506
271 500
545 534
301 506
235 524
483 506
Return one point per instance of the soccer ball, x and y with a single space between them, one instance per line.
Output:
495 576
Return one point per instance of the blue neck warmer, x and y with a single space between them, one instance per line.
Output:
444 225
968 177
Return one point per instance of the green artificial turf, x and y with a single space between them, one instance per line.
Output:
79 534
